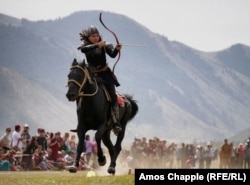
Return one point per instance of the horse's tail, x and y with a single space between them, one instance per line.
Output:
134 106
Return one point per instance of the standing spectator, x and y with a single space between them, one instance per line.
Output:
94 153
240 155
225 154
171 151
42 141
26 136
65 142
178 157
72 143
200 157
28 153
143 151
209 155
38 131
247 156
164 153
135 151
183 155
191 152
152 151
17 139
233 161
55 145
49 138
89 148
5 140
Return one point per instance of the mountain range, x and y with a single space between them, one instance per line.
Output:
183 93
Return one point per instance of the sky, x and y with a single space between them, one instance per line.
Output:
206 25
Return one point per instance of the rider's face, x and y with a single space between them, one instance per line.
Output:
94 38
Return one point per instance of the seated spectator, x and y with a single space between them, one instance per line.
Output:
60 162
82 163
69 158
10 157
49 158
4 164
39 161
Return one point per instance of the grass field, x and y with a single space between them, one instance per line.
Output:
61 178
66 178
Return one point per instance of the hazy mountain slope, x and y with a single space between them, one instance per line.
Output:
26 102
9 21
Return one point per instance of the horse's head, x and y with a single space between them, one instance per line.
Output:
77 78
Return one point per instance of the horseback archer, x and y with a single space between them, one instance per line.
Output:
95 50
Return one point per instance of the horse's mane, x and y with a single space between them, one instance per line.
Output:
91 74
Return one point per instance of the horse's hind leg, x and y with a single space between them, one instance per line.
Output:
108 143
117 148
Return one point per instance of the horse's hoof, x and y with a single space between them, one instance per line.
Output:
72 169
102 161
111 170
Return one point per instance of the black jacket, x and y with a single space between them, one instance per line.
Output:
96 57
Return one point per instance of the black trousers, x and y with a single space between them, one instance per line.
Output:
109 83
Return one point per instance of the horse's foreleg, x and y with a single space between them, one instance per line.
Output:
80 145
98 138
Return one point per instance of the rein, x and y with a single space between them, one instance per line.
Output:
86 78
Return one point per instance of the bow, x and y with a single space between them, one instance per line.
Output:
116 39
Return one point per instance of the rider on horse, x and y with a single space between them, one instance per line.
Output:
95 50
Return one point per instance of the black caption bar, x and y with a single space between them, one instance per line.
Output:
192 176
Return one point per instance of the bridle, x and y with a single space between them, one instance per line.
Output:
87 77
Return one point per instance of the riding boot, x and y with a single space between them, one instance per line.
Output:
116 110
116 126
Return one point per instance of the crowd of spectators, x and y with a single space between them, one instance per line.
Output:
21 150
156 153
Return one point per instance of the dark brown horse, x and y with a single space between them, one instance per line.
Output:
94 113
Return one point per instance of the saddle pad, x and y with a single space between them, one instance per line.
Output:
120 100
